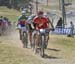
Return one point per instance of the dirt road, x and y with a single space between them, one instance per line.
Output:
55 54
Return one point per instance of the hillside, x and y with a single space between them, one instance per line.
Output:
10 13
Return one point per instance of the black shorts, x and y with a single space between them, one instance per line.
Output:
30 27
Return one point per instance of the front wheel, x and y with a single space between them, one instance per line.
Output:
34 45
24 40
42 46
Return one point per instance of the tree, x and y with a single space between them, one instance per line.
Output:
16 4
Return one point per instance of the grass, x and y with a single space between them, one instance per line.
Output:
62 47
67 42
10 13
64 40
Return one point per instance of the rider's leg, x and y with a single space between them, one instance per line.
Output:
19 27
30 37
46 40
35 38
20 34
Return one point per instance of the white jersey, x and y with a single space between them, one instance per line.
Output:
30 19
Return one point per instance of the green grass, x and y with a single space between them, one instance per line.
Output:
65 46
10 13
64 41
67 43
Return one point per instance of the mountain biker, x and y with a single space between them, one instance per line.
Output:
22 22
71 29
5 21
1 20
31 27
41 22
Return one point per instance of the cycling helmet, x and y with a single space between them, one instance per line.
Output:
46 15
40 12
23 13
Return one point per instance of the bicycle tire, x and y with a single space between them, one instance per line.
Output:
42 45
24 40
34 44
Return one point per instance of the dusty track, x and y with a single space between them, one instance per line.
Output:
12 39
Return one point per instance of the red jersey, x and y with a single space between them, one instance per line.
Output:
22 22
41 23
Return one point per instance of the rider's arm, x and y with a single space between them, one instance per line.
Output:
50 25
34 22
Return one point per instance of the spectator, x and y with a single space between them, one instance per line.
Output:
59 24
1 19
71 29
5 20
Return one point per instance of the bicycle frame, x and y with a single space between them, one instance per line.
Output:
39 42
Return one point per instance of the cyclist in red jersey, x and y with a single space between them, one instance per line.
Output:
41 22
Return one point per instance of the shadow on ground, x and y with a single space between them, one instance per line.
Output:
56 50
50 57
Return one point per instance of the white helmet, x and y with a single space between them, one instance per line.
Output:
23 12
45 15
33 15
24 9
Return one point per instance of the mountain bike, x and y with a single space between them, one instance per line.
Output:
40 42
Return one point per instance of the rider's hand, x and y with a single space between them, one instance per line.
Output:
53 29
40 24
48 29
